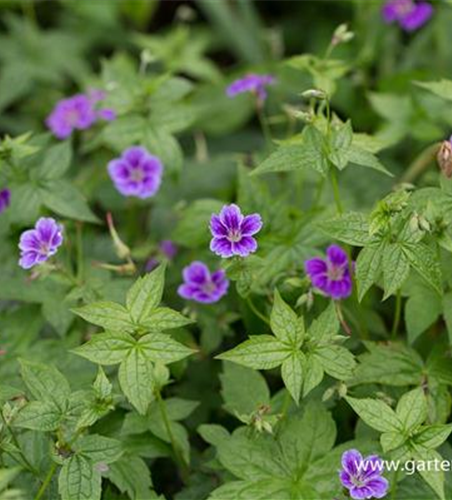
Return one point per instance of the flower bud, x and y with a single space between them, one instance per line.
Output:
314 94
122 250
342 35
444 158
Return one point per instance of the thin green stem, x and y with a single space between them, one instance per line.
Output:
264 124
397 314
176 450
80 261
256 311
337 196
319 192
46 482
394 485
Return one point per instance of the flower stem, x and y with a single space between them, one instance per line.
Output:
264 124
177 453
337 196
46 482
256 311
398 311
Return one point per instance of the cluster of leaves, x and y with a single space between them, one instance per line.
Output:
107 390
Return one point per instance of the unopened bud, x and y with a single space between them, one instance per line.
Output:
342 35
314 94
122 250
444 158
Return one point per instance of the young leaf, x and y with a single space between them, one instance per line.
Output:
368 266
376 414
109 315
162 348
136 380
395 269
262 352
292 374
351 228
163 318
285 324
108 348
146 294
336 360
412 409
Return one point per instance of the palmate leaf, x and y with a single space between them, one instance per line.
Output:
108 348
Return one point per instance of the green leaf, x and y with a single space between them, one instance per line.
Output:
432 436
136 379
164 318
66 200
79 480
108 348
192 228
368 266
109 315
447 312
395 269
285 324
422 309
262 352
313 374
131 475
412 409
325 327
442 88
45 382
351 228
99 448
307 152
56 161
292 374
243 390
102 386
41 416
340 142
376 414
165 146
365 158
394 364
146 294
162 348
336 360
424 261
434 478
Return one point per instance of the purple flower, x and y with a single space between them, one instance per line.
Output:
201 285
251 83
136 173
331 275
233 232
363 476
38 244
410 15
5 199
78 112
168 249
